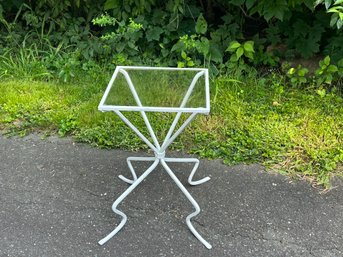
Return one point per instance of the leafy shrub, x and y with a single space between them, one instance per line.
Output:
25 63
336 8
325 76
170 33
246 49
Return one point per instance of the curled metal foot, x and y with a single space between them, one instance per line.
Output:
134 175
116 230
122 197
196 165
194 203
191 227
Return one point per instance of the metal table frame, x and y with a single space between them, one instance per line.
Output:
159 150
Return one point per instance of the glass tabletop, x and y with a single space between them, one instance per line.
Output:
157 89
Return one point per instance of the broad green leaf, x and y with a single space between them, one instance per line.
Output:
154 34
339 24
233 58
120 47
249 3
308 46
333 19
249 55
309 4
239 52
233 46
201 25
215 53
131 45
321 92
127 7
307 38
327 60
178 46
291 71
302 80
328 4
110 4
190 63
180 64
158 16
203 46
332 68
275 9
302 72
328 79
249 46
317 2
183 55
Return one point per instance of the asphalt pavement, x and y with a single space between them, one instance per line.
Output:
56 197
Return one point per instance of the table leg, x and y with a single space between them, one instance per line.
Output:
191 199
134 175
122 197
196 165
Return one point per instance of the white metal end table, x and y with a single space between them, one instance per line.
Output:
158 89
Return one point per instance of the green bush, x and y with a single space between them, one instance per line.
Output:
169 33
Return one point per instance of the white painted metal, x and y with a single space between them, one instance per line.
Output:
158 149
122 197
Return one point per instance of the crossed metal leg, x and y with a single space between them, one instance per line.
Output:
182 160
122 197
136 181
191 199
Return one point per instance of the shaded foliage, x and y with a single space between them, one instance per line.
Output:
182 33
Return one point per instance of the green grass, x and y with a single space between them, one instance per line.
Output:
150 83
289 130
252 120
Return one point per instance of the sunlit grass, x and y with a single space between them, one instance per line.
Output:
157 88
254 120
294 131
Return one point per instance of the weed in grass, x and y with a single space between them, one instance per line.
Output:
67 125
24 65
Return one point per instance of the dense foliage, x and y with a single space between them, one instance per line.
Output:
220 34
